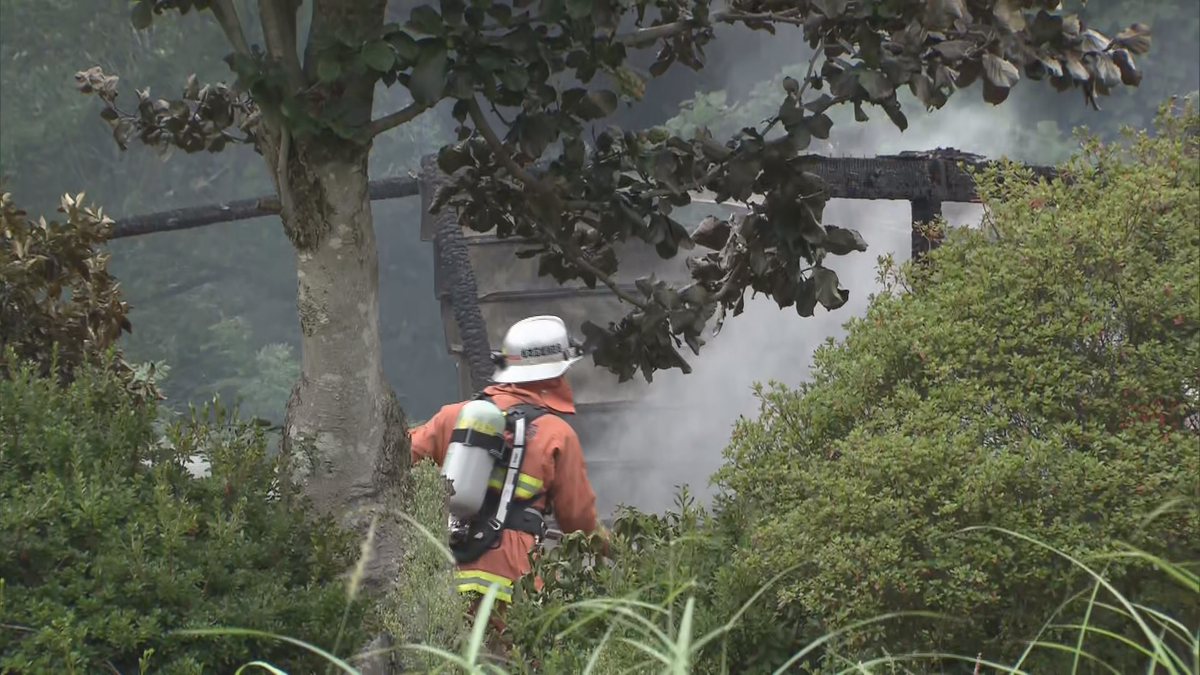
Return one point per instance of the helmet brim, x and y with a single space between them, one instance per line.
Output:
532 373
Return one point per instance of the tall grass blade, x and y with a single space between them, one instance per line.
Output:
1134 614
648 650
1046 626
1087 619
448 657
595 656
728 626
439 543
683 646
479 630
841 631
260 664
1078 652
345 667
1189 580
934 656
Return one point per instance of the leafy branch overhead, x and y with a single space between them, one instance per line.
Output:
551 70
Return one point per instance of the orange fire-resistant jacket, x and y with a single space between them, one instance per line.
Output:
553 465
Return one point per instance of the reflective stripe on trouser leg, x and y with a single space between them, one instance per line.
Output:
467 581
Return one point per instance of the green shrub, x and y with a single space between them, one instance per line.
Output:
1038 377
108 544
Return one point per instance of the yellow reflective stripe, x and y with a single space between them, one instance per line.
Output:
527 486
478 581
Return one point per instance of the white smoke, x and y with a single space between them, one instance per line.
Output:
680 434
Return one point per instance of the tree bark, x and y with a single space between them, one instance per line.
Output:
344 429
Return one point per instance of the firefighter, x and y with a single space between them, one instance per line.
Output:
530 375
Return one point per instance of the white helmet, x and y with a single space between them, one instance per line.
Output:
537 348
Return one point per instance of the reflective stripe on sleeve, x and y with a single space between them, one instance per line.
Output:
478 581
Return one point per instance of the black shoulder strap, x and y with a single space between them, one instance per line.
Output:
529 411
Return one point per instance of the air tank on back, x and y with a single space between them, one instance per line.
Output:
476 444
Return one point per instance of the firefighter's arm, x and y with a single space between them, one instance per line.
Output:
571 493
429 440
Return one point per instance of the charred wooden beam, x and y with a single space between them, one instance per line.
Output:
550 293
244 209
454 262
925 210
911 175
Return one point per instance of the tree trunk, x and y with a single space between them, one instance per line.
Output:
343 428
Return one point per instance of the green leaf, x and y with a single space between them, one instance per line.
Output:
329 69
806 297
876 85
892 108
535 134
579 9
405 46
461 86
860 115
819 104
840 241
604 100
379 56
428 78
825 282
1000 71
514 78
452 12
819 126
800 137
830 8
425 19
141 15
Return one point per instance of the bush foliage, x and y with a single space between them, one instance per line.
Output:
108 543
1038 375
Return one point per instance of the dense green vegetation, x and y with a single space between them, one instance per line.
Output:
1036 376
108 542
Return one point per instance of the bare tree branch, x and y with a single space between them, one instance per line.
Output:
568 247
227 16
506 159
279 32
406 114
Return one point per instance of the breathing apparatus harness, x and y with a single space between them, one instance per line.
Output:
480 448
471 538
